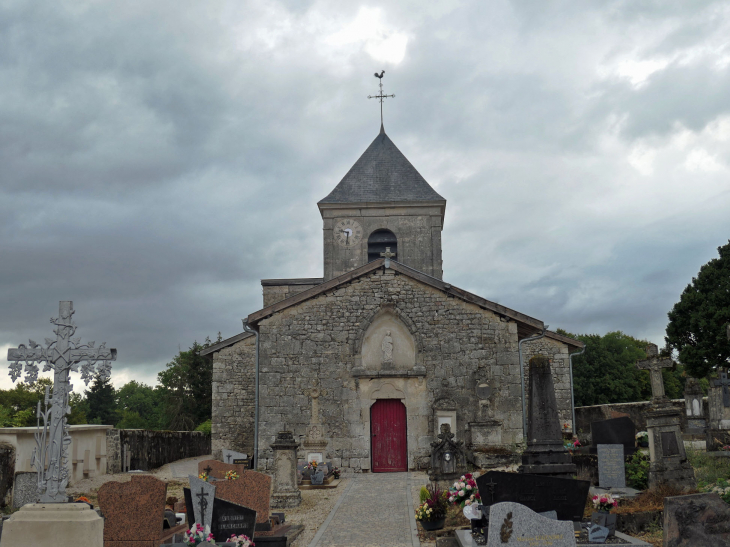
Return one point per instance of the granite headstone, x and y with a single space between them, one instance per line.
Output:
230 455
614 431
203 494
513 524
318 477
611 466
537 492
134 510
232 519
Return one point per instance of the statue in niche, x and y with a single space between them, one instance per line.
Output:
387 347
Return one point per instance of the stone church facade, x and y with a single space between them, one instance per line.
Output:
374 356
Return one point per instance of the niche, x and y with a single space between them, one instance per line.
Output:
388 345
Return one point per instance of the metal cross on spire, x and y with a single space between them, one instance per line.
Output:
381 96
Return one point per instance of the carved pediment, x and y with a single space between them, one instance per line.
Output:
444 403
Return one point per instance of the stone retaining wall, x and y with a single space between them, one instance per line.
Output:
152 449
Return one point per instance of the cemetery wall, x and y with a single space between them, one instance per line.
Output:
560 369
319 341
113 451
152 449
233 397
584 415
7 472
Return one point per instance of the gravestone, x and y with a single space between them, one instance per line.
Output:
448 459
538 492
717 399
513 524
545 453
318 477
696 520
286 492
611 466
597 533
252 490
228 456
614 431
232 518
25 489
606 520
218 470
133 511
694 407
203 494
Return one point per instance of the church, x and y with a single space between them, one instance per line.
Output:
364 364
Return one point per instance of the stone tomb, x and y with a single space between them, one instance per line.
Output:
537 492
514 524
696 520
134 512
611 466
614 431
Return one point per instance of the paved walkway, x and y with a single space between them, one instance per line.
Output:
375 510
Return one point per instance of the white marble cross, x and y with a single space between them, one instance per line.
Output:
655 365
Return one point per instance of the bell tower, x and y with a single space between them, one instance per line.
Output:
382 202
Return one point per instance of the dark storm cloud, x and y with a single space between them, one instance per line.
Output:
159 159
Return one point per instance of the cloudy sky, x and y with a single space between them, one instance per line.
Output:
157 159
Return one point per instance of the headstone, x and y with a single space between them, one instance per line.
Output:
545 453
203 494
539 493
286 492
696 520
252 490
230 455
448 459
607 520
597 533
512 524
614 431
318 477
25 489
232 518
718 411
611 466
218 470
134 510
694 404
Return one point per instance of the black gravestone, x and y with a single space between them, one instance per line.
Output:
614 431
538 492
232 519
189 512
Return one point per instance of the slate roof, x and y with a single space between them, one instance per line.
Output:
382 173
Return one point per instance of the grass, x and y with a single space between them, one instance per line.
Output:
708 469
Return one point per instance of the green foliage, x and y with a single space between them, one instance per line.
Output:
709 470
423 494
140 406
18 405
204 427
606 372
102 403
637 471
698 322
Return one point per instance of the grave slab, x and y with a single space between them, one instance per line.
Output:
611 466
696 520
512 524
57 524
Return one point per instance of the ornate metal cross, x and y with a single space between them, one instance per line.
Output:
388 255
62 355
724 382
202 503
655 365
381 96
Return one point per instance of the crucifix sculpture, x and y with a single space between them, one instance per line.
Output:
381 96
62 355
655 365
387 255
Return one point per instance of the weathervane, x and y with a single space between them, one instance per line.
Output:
380 96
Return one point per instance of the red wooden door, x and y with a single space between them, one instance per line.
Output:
388 436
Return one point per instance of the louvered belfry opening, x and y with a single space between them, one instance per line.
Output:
377 243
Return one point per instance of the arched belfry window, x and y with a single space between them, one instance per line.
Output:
378 241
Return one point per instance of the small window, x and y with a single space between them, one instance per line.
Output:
379 241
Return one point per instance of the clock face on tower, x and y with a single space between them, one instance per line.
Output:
347 233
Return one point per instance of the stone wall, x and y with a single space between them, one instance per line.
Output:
113 451
276 290
7 472
318 342
152 449
560 367
233 397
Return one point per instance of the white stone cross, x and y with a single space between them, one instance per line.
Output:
387 255
655 365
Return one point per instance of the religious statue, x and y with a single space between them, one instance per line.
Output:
387 347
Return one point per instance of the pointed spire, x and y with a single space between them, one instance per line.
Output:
382 129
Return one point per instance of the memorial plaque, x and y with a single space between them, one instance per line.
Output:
512 524
614 431
669 444
597 534
537 492
240 461
484 391
232 519
611 466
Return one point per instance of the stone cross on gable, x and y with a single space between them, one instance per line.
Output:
655 365
315 394
387 255
62 356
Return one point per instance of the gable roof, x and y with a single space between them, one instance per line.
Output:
382 174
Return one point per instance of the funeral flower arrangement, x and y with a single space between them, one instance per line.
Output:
231 475
312 466
203 476
241 541
197 535
464 492
604 502
434 508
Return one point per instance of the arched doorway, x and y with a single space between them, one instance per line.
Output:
378 241
388 444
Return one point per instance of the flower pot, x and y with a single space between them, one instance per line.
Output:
643 444
430 526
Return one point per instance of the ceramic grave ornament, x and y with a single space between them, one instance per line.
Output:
62 356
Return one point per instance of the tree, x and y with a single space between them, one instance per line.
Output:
102 402
18 405
140 405
606 372
698 322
